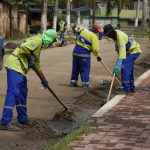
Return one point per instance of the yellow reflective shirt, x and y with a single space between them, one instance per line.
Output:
92 39
62 26
120 43
17 60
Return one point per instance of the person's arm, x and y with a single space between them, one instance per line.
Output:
40 74
121 49
95 47
121 45
27 48
118 66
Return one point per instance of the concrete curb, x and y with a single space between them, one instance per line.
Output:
114 101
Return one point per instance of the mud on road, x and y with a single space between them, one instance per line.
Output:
42 132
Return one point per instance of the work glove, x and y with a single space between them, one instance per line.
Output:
99 59
115 71
117 66
31 63
44 82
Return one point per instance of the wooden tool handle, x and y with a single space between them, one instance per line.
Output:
110 89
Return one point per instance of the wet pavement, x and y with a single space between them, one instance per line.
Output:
125 127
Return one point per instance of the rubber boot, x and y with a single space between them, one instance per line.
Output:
73 84
85 85
9 127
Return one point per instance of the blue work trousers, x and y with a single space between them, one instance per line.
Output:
81 65
16 96
127 72
62 38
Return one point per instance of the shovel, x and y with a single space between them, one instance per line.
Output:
66 114
111 72
110 89
39 75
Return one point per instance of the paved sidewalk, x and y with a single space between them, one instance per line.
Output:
125 127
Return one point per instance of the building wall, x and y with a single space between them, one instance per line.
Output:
13 22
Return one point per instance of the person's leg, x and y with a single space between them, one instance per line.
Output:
132 86
13 80
85 71
21 105
127 72
63 39
75 71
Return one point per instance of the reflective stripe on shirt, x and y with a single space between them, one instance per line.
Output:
84 40
129 43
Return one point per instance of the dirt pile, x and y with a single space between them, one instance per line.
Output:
91 99
142 66
38 129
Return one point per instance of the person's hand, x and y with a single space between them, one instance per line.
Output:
31 63
117 66
115 71
99 59
44 82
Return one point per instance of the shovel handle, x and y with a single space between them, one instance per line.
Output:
108 97
111 72
57 97
40 76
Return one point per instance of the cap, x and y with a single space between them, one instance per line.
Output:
108 29
97 28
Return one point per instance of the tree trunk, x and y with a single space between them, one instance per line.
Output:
137 14
144 14
78 18
68 14
78 12
93 13
55 15
44 16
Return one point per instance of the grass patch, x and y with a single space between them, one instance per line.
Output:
64 143
137 33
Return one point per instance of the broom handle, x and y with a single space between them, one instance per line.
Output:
108 97
110 72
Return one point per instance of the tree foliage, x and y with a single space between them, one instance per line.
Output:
119 4
28 1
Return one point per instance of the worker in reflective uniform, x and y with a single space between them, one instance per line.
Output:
62 29
24 57
128 51
87 42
